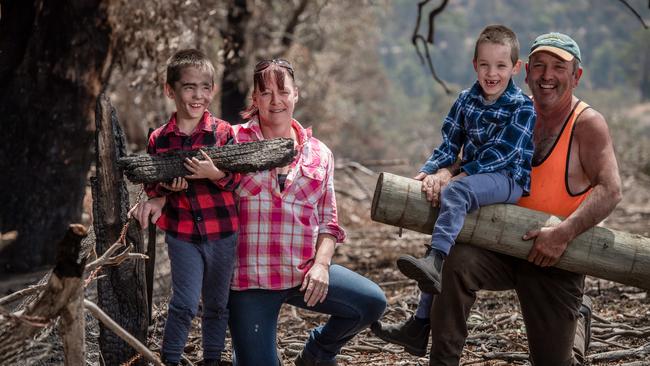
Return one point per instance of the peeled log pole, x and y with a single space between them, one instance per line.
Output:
243 158
598 252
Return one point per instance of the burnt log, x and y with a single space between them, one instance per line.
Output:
122 292
238 158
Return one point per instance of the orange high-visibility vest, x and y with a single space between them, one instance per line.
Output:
549 190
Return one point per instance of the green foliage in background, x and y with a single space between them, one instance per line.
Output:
614 45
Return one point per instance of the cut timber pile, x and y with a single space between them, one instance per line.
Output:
598 252
241 158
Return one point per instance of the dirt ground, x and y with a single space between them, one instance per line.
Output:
497 333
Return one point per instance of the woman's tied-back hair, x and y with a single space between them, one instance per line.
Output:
499 34
264 70
186 58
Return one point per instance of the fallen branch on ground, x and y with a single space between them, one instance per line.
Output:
120 332
612 356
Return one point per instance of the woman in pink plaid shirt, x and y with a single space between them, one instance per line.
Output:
288 233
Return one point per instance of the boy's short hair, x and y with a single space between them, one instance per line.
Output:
499 34
186 58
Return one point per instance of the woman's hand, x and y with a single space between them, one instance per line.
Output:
316 283
178 184
143 210
202 168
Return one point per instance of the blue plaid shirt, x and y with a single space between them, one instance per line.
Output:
493 137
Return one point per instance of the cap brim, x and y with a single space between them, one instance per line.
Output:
566 56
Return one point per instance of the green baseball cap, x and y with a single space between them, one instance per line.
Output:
558 44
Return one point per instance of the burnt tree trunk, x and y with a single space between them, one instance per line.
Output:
122 293
644 84
235 83
54 57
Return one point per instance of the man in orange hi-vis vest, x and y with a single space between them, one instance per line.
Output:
574 175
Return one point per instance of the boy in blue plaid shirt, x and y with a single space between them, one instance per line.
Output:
493 124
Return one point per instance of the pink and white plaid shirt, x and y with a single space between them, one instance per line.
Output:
278 230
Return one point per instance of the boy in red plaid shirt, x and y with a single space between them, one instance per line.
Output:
200 216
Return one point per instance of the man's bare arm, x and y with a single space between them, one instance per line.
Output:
598 161
599 164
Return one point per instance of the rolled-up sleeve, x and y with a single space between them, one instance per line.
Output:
327 215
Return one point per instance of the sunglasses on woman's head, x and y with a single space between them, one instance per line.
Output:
262 65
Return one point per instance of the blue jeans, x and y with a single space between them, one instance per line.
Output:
462 196
198 269
353 302
457 199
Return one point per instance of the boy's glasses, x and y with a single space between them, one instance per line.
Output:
262 65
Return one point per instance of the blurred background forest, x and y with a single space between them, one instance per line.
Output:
362 86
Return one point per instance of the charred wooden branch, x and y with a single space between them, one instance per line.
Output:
636 13
65 286
612 356
243 158
505 356
290 28
429 40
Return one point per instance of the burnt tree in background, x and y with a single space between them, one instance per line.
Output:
122 293
54 57
235 84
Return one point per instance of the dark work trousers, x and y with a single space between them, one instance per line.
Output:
550 300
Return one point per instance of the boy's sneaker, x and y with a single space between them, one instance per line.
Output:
426 271
305 359
412 334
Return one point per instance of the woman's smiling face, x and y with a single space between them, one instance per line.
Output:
276 99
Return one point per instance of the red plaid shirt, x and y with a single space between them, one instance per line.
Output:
207 210
277 238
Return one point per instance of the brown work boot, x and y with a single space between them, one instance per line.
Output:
426 271
305 359
412 334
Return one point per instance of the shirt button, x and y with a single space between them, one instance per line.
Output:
199 218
